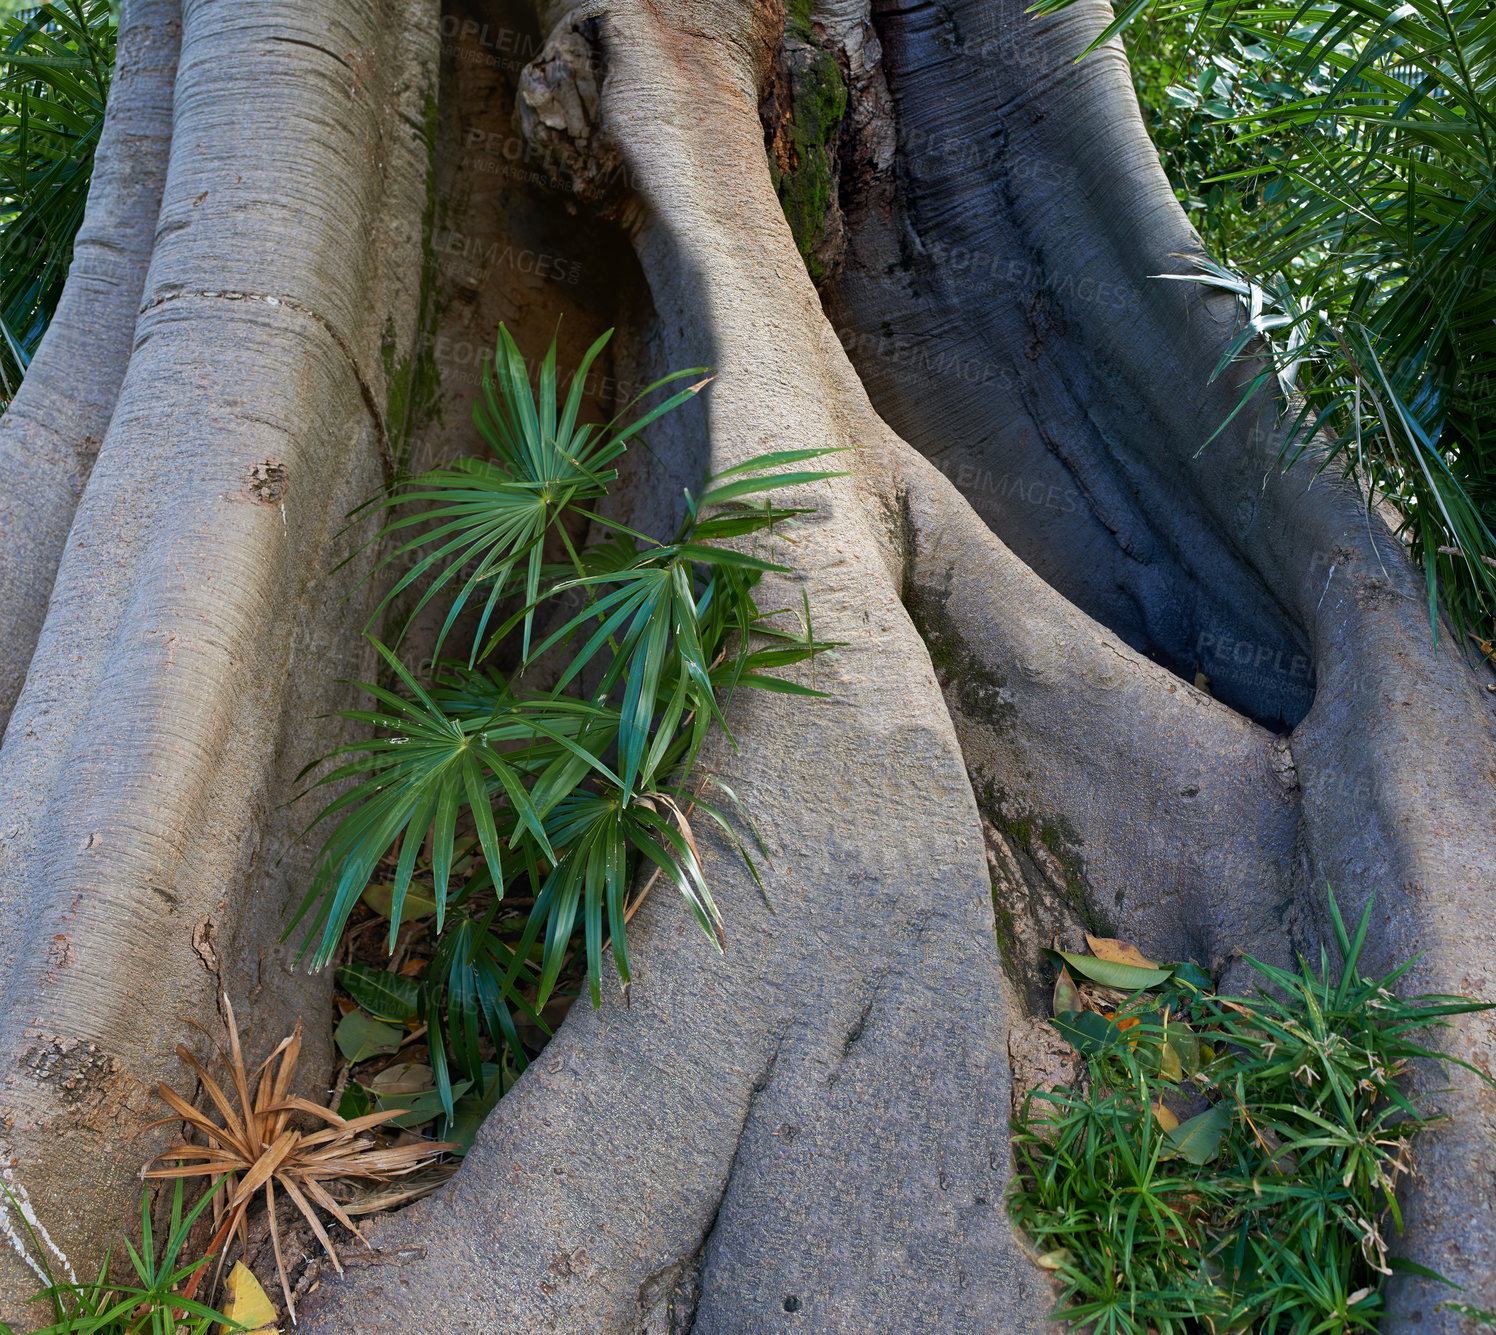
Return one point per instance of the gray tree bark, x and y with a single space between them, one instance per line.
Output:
808 1133
193 641
50 435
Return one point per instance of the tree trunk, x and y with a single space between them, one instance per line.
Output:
810 1132
193 637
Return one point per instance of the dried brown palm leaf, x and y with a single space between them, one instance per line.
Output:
257 1149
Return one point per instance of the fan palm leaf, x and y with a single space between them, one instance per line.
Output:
55 64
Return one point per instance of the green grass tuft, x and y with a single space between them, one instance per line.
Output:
1233 1163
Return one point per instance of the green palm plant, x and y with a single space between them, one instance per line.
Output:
1368 127
55 65
152 1305
496 513
571 791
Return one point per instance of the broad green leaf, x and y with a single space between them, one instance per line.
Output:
1085 1031
1186 1046
385 995
418 1108
1199 1138
472 1111
1189 976
360 1036
356 1101
1125 977
418 903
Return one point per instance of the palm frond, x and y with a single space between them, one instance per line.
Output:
257 1148
576 791
1363 133
55 65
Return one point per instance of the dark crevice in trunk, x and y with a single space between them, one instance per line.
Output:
965 309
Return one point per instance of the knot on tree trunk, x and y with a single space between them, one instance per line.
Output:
557 105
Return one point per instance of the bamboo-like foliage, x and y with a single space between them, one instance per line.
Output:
1368 130
150 1305
1274 1208
55 64
570 791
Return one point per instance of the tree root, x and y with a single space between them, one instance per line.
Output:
191 640
50 435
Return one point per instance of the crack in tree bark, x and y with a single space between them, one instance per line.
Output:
366 390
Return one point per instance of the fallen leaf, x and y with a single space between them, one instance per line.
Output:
1055 1259
1199 1138
246 1304
360 1037
403 1078
1085 1031
386 996
1164 1117
1127 977
1066 994
1122 1025
1284 1161
418 903
1186 1046
1118 952
1169 1065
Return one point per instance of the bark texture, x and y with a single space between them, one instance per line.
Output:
50 435
723 1155
808 1133
192 638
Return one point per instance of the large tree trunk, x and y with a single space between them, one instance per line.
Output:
808 1133
193 640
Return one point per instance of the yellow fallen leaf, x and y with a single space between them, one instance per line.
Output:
1055 1259
1118 952
246 1305
1164 1117
1169 1065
